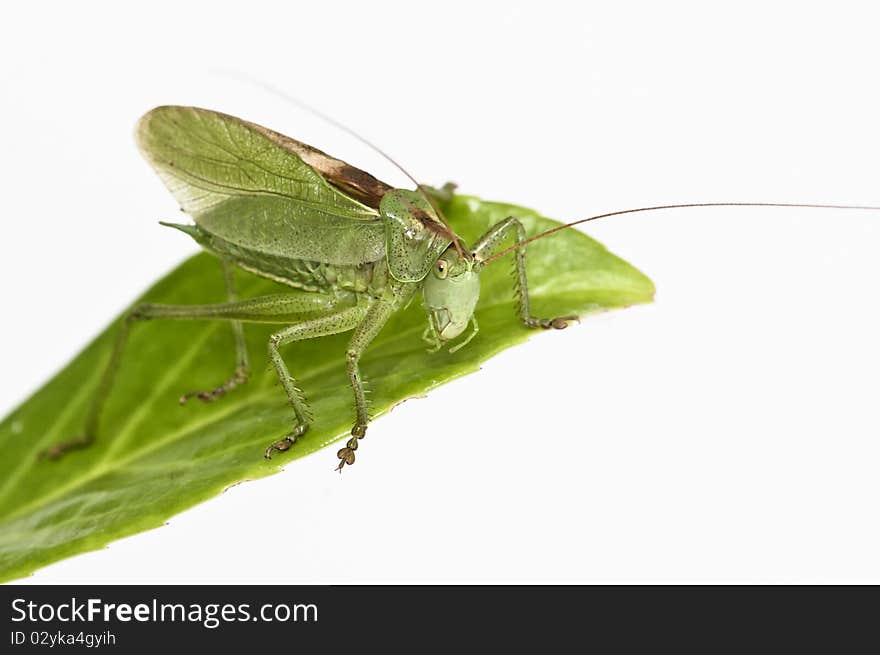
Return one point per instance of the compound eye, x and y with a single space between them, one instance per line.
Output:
441 268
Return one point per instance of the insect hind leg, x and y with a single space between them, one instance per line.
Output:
242 366
279 308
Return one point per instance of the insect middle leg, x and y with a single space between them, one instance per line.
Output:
321 326
492 242
242 366
365 332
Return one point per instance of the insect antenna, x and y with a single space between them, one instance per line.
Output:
332 121
547 233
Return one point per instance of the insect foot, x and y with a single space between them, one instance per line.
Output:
239 378
287 442
58 450
558 323
346 455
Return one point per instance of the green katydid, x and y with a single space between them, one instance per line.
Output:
354 250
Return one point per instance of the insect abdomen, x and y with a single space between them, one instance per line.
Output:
298 273
324 278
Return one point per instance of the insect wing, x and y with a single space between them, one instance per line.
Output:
352 181
252 187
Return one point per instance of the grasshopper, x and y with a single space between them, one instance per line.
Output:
353 249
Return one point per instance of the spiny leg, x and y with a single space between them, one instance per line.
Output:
283 308
341 321
490 243
377 316
242 366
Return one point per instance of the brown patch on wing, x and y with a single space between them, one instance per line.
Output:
352 181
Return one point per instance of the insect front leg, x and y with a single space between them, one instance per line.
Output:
493 241
321 326
372 323
242 366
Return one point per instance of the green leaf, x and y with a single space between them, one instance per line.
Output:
154 458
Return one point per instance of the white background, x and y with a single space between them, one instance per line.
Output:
729 432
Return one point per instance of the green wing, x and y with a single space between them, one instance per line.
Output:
254 188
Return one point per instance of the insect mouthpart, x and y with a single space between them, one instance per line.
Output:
442 320
443 324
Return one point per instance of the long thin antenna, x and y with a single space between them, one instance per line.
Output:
332 121
520 244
